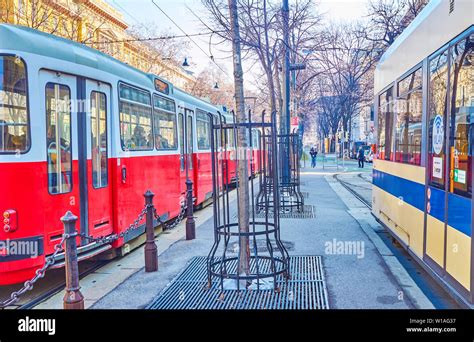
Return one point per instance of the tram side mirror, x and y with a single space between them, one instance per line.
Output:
124 174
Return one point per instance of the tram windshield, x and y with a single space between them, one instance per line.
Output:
14 135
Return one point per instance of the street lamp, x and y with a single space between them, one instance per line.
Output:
185 63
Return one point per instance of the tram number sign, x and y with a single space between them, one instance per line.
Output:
438 134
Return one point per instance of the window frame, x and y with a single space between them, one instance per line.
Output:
28 114
209 122
120 99
399 95
70 133
391 148
175 121
106 137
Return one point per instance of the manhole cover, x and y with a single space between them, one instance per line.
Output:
262 246
305 290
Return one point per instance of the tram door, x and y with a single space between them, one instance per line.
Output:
57 96
186 138
95 179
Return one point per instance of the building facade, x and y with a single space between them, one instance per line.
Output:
96 24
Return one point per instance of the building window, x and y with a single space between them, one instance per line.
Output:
164 120
385 124
14 123
203 128
58 139
461 121
135 119
409 119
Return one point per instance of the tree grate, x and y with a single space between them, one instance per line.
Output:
305 290
308 212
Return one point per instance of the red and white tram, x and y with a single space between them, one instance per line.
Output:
81 131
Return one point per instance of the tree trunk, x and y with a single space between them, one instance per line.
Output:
242 144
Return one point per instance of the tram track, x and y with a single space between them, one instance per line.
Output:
348 186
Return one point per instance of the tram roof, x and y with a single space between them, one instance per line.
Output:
22 38
432 28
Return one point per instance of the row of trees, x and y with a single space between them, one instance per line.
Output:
340 57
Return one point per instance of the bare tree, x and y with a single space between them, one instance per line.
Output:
242 143
162 52
388 19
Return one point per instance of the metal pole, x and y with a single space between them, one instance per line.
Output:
73 298
151 251
190 223
285 119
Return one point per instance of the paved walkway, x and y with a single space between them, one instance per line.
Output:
358 278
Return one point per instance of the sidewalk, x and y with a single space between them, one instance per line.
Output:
358 278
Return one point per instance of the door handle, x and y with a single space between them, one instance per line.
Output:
199 163
124 174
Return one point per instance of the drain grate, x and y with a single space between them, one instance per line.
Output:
305 290
262 246
309 211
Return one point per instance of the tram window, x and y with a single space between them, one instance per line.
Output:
181 139
437 119
58 141
135 119
203 128
99 139
462 116
189 140
164 121
14 125
409 119
385 124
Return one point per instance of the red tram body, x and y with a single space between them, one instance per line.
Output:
120 132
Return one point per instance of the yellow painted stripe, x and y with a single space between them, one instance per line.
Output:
458 256
435 240
407 171
401 218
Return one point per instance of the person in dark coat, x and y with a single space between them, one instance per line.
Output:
313 153
361 157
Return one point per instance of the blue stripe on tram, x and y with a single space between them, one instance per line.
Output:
413 193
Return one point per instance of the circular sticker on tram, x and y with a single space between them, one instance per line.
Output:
438 134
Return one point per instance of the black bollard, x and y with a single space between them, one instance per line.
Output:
151 251
73 298
190 223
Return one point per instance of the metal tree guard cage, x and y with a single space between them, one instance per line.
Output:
268 256
290 197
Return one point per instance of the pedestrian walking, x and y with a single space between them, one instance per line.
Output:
313 153
361 157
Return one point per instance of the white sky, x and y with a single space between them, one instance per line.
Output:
143 11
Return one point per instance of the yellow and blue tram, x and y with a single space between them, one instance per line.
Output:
423 171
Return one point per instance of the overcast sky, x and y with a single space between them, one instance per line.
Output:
143 11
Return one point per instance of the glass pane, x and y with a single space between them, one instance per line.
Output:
203 126
135 127
164 103
181 139
385 124
408 128
189 140
58 123
14 133
135 95
99 139
165 130
411 82
462 117
437 115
